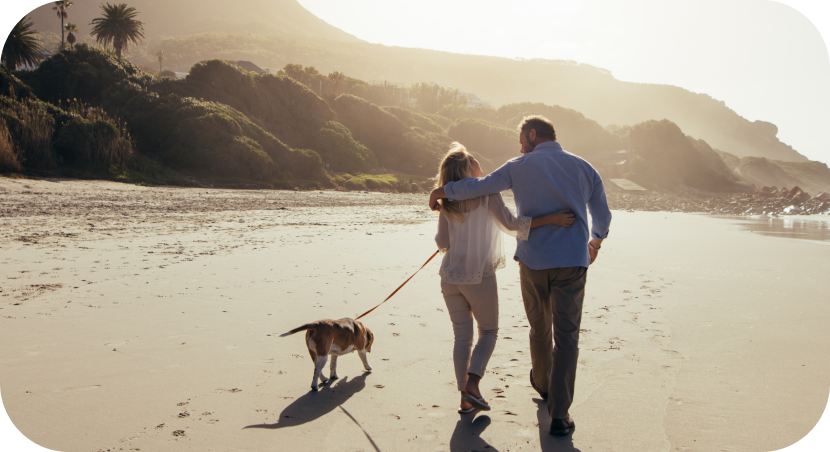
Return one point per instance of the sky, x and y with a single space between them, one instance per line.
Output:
764 59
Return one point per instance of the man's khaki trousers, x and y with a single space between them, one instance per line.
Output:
553 303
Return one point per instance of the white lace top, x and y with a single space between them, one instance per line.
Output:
474 249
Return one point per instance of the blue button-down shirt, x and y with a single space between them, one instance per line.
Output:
544 181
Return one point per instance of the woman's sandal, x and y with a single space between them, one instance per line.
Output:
476 403
467 411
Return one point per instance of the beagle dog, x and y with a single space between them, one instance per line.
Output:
335 338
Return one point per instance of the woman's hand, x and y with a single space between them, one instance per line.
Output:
561 218
434 196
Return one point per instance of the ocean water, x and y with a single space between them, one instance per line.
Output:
805 227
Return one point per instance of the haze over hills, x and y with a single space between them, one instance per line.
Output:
186 17
272 34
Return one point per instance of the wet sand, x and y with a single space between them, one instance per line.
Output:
136 318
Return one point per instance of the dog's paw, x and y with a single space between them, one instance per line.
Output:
314 388
368 368
323 379
333 377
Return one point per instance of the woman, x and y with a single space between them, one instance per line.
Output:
472 245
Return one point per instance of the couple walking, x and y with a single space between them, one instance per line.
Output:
552 189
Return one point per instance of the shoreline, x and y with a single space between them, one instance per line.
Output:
767 202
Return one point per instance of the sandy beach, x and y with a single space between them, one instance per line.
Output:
146 318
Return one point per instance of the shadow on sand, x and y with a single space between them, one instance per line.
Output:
548 442
467 434
315 405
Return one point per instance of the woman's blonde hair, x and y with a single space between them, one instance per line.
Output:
455 166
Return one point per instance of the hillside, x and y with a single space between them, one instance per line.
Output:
225 125
587 89
187 17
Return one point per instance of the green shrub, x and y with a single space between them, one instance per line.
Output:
92 142
335 145
143 170
84 73
282 106
286 108
368 123
30 128
211 139
380 182
13 86
355 184
204 137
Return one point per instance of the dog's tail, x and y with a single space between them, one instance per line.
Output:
307 326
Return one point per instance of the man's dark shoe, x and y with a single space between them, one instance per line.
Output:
561 427
544 395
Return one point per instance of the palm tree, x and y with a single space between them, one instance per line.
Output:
70 38
160 56
22 46
61 6
118 26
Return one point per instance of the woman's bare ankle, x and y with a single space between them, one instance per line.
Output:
465 405
471 387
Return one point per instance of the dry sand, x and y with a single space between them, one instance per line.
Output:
136 318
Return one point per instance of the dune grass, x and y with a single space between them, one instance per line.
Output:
382 182
9 160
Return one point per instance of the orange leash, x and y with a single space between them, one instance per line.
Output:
399 287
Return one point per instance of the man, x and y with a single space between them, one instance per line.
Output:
554 260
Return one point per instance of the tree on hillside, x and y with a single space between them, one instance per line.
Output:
294 71
22 45
431 97
308 76
60 7
313 78
337 78
160 56
118 26
70 38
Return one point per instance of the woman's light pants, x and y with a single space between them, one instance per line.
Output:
466 302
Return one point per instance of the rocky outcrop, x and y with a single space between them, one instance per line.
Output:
766 201
761 172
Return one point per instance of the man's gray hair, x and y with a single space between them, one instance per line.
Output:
541 124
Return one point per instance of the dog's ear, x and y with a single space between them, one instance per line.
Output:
370 338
